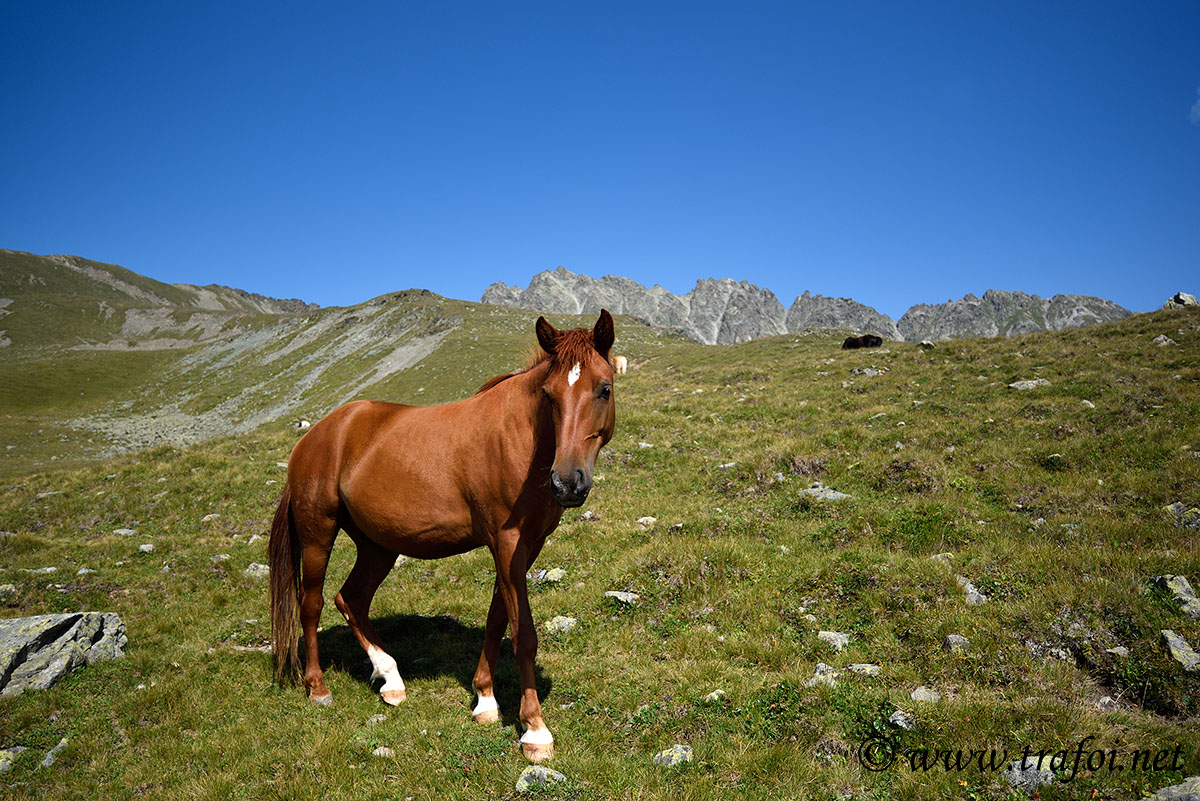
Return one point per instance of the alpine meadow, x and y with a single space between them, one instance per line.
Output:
886 573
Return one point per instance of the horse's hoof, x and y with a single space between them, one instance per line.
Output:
393 697
322 700
538 753
488 716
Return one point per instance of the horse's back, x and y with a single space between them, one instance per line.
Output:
343 432
394 471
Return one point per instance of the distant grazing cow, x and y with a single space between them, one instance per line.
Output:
865 341
620 364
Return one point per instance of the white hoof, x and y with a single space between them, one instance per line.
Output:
538 753
537 745
487 710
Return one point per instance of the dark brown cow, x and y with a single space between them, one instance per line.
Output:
864 341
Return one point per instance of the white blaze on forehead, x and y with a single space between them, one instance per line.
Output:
573 376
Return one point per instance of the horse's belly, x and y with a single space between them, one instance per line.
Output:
426 539
426 527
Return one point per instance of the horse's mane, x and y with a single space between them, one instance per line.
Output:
570 348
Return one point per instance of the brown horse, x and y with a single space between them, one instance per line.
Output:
494 470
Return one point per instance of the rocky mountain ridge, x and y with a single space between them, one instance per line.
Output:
724 312
77 302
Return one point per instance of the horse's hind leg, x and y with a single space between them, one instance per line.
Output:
354 602
314 558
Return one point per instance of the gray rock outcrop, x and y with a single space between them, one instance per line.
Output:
35 652
1182 593
926 695
1179 649
824 674
834 639
1187 790
1183 516
955 643
865 669
1030 773
52 755
8 757
537 776
715 312
973 596
818 311
823 493
723 311
675 755
1007 314
1181 300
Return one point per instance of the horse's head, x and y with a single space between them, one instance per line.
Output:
579 389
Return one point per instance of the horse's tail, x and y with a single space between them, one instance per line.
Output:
284 556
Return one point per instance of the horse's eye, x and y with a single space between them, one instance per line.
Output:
605 392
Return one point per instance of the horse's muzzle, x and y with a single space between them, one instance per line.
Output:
570 489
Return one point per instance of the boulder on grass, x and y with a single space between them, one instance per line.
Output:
35 652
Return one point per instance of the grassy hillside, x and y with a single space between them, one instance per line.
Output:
1051 508
69 301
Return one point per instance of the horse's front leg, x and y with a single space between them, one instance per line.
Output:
512 560
486 709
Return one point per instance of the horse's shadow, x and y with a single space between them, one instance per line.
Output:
428 646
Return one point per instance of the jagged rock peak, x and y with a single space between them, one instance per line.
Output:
723 311
1000 313
716 311
818 311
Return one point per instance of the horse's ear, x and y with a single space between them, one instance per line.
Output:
602 334
547 335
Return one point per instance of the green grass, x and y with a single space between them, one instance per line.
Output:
723 598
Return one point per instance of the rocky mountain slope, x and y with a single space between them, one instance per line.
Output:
817 311
724 312
98 360
714 312
1005 314
51 300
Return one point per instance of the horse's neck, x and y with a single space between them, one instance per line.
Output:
526 417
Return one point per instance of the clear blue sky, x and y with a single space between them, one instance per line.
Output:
892 152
